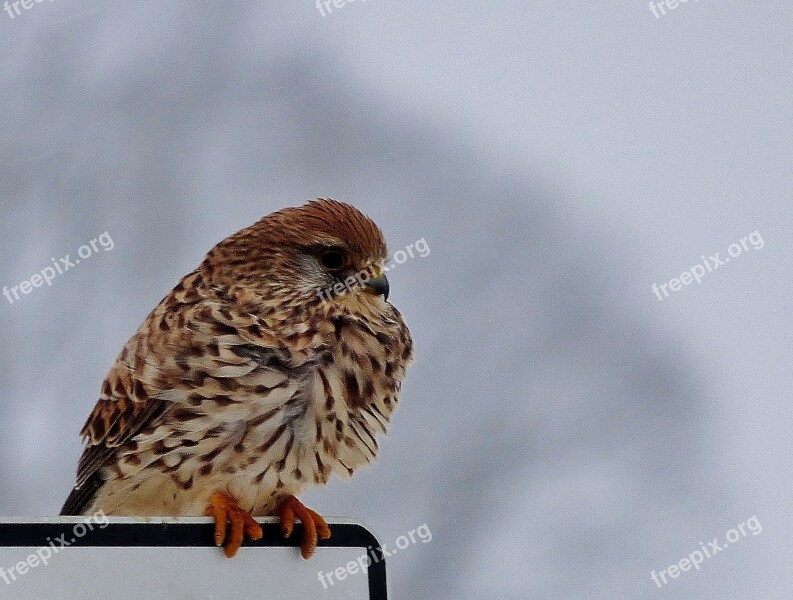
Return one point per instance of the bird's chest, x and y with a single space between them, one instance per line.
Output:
276 435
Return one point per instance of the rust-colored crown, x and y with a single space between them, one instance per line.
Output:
275 242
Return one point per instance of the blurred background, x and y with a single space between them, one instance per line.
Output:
563 432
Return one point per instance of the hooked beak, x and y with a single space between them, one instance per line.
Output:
378 284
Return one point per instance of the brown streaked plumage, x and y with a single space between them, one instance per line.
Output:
246 384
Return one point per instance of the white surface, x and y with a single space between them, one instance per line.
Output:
178 573
181 573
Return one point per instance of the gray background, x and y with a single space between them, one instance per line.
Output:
562 432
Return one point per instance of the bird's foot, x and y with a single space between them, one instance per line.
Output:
314 526
225 510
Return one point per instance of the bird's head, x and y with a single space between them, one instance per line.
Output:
322 252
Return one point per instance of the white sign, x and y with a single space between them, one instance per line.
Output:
74 558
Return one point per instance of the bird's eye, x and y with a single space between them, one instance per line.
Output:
333 260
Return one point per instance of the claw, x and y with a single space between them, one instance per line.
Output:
314 526
224 510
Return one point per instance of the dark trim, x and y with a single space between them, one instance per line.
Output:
343 535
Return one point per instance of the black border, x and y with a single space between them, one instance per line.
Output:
175 534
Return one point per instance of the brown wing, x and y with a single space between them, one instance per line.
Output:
126 405
182 344
121 412
112 423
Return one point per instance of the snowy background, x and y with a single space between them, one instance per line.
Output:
563 432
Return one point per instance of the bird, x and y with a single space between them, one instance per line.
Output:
274 365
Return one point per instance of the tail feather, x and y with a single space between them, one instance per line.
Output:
81 497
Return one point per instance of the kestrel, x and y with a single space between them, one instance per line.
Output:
269 368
